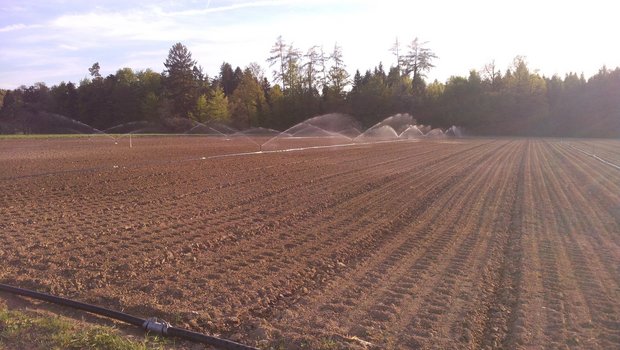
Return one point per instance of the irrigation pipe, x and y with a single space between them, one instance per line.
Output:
595 157
299 149
152 325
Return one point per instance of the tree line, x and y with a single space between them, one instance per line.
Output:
492 101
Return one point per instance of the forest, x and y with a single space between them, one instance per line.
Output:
301 84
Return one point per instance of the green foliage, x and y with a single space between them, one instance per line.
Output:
217 106
248 101
370 98
149 106
200 112
126 77
149 90
65 96
2 94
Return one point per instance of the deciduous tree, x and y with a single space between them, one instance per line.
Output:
247 101
217 106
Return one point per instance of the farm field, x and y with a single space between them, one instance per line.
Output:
450 243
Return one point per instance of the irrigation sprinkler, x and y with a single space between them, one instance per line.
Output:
151 325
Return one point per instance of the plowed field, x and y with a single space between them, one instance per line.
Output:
474 243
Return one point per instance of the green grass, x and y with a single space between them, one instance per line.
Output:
19 330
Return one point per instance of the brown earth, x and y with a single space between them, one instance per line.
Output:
477 243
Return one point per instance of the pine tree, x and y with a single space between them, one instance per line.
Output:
180 79
226 78
94 71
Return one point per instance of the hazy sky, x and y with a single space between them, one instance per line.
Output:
58 40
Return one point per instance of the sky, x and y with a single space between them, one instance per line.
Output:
58 40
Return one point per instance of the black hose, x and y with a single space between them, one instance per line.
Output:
74 304
206 339
150 325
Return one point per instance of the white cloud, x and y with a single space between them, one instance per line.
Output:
465 35
68 47
13 27
18 26
231 7
101 24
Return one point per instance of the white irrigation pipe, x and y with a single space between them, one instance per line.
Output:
301 149
595 157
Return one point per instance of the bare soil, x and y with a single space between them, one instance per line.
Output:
472 243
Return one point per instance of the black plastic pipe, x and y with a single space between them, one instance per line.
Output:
152 325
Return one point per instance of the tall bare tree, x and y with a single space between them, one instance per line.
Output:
491 74
292 72
338 75
278 59
418 60
322 68
285 59
311 68
395 49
